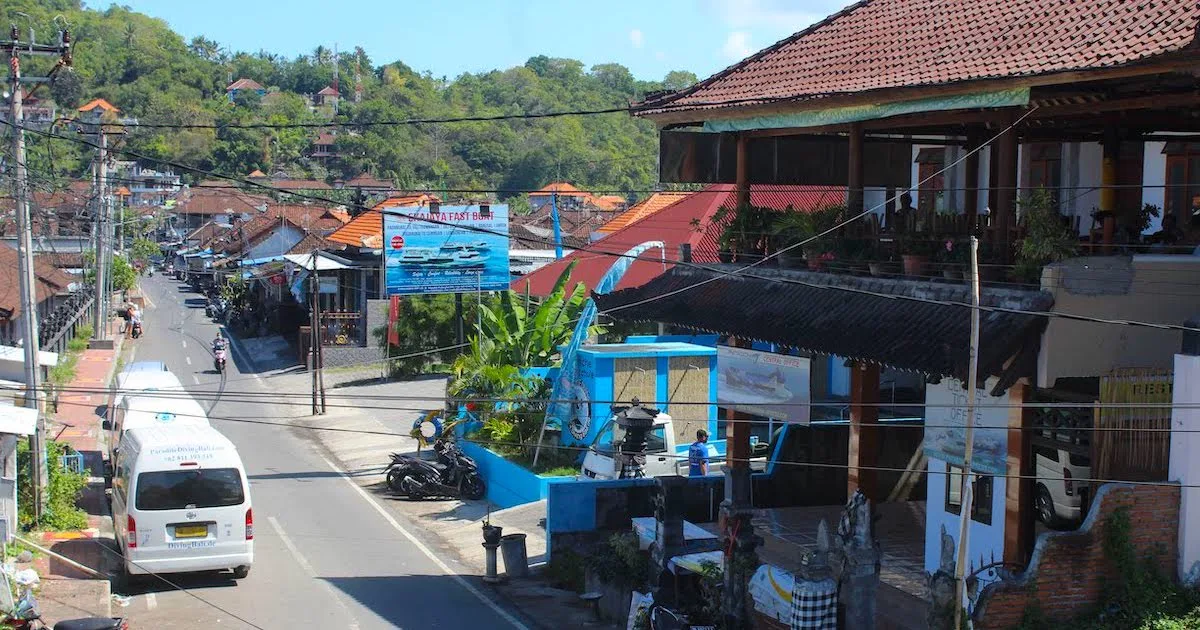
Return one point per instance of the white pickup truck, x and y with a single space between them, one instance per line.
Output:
663 456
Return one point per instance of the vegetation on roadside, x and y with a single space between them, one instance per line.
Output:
62 374
1140 598
65 487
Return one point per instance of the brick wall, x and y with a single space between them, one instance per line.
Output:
1067 573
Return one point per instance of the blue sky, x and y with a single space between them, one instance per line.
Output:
449 37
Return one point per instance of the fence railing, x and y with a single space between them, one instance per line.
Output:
342 328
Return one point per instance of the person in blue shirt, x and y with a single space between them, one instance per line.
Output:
698 455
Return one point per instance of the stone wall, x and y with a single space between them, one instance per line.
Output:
1067 573
346 356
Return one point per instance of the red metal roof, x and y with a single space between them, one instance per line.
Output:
244 84
687 221
880 44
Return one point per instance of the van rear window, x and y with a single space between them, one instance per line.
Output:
183 489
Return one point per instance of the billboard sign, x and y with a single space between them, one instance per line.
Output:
763 383
946 426
446 249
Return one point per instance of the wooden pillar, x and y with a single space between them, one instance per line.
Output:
971 185
864 431
854 178
737 431
1006 184
743 171
1019 514
1108 181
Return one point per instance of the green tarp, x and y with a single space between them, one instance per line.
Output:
840 115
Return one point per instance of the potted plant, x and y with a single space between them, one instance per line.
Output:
915 249
792 226
1046 238
954 257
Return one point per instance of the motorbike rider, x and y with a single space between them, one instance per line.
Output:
218 343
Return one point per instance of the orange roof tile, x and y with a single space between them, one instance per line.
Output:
644 208
244 84
368 226
98 102
562 188
256 173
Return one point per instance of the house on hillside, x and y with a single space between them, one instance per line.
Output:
327 97
972 112
218 201
54 289
97 109
567 195
244 85
147 186
323 148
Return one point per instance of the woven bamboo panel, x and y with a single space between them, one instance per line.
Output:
1133 443
635 378
687 382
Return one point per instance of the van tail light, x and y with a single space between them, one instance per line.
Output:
1068 483
131 534
249 524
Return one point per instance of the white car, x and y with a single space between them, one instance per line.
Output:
181 502
1058 498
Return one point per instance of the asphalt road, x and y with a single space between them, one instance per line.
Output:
327 555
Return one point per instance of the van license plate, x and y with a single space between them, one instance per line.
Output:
191 531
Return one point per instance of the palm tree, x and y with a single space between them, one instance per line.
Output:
321 55
130 33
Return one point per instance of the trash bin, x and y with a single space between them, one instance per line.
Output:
512 546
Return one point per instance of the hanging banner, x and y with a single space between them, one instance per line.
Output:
763 383
946 426
446 249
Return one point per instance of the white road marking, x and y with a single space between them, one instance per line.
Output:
184 342
188 359
151 601
195 379
425 550
303 562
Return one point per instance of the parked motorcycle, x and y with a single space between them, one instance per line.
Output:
219 360
25 616
452 474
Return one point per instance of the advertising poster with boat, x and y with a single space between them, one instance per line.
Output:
946 426
763 383
446 249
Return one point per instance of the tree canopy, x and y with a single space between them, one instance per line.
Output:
154 75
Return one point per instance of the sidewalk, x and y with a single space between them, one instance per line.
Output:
68 592
362 444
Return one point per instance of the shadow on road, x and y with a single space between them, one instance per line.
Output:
421 601
143 584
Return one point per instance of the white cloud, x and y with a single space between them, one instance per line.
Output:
737 46
775 15
637 38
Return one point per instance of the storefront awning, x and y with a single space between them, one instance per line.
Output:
908 325
323 262
18 420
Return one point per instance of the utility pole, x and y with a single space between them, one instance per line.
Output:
27 281
558 250
318 356
964 526
100 317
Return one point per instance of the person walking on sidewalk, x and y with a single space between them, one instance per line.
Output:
698 455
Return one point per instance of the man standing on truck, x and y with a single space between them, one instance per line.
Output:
698 455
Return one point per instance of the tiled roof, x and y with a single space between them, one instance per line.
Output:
244 84
207 232
325 139
299 184
313 242
50 280
609 202
687 221
212 201
642 209
366 181
562 188
368 226
859 319
881 44
329 91
98 103
576 225
256 173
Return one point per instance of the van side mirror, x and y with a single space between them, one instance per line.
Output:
106 425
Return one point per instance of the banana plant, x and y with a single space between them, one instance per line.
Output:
510 335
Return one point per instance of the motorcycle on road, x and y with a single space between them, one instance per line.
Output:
219 360
451 474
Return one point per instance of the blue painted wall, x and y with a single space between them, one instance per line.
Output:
508 484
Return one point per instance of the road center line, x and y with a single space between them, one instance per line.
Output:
195 379
188 359
425 550
303 562
184 342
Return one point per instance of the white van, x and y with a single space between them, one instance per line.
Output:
151 409
141 377
1059 499
181 502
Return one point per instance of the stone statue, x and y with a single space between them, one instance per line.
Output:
941 587
855 559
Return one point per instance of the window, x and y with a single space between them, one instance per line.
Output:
656 440
1183 180
929 176
1045 169
185 489
981 500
